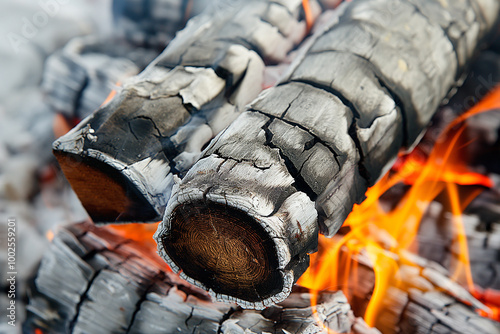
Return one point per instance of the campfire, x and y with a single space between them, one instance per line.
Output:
280 167
387 234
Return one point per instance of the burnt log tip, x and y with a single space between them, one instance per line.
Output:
106 194
230 250
108 189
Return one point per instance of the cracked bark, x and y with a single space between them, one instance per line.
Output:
389 76
94 281
437 242
424 301
121 160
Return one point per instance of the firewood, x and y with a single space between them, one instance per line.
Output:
437 242
425 300
78 78
121 160
435 312
153 23
92 280
242 221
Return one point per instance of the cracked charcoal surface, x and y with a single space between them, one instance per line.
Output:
160 120
94 281
78 78
366 87
386 103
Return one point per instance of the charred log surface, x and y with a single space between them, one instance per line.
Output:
78 78
438 243
94 281
153 23
160 121
435 312
326 133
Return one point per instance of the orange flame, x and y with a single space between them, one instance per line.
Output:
111 95
142 235
491 299
386 236
308 13
49 235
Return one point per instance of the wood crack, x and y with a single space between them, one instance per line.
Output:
299 181
319 140
159 277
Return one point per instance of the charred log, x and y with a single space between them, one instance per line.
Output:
93 281
437 242
324 134
421 298
153 24
157 125
78 78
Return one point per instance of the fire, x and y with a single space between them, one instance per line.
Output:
49 235
386 236
142 236
112 94
308 13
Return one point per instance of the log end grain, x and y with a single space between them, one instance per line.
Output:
215 244
104 192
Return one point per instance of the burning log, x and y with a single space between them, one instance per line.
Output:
121 160
78 78
92 280
420 296
244 218
438 242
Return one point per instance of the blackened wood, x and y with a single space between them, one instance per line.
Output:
153 23
434 312
93 281
160 121
365 88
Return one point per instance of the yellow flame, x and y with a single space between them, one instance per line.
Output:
385 237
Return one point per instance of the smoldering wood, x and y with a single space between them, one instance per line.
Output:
94 281
153 24
426 301
78 78
122 159
326 132
437 242
403 86
437 236
434 312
